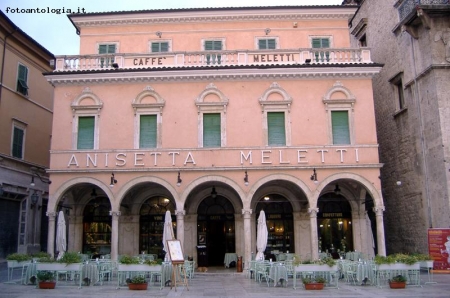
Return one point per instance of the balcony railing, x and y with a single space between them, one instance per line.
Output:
212 58
407 6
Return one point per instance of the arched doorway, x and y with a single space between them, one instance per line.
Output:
151 223
334 224
215 228
97 226
280 224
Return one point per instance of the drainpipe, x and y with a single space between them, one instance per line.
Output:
422 138
3 61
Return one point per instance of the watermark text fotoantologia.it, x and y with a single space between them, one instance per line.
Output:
45 10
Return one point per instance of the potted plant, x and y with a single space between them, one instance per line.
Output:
16 260
397 282
314 283
138 282
46 279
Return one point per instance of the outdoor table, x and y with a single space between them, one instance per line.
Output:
365 270
229 257
277 273
90 274
28 271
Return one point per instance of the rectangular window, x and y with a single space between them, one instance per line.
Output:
276 129
211 130
106 49
213 45
340 127
22 79
86 126
158 47
18 141
266 44
319 43
400 95
147 131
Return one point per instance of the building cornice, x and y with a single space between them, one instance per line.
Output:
231 74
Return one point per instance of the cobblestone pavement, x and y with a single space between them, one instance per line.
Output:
223 283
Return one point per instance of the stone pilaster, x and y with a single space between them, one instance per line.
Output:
247 234
51 233
380 230
115 234
180 226
314 241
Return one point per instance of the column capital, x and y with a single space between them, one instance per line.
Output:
247 211
379 210
115 213
51 215
180 212
313 211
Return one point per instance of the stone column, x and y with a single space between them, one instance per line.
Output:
247 234
180 226
114 234
51 233
380 230
314 241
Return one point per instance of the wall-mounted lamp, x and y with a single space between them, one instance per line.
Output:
115 65
43 179
337 190
213 192
266 198
179 179
246 178
113 180
307 61
35 200
158 33
314 176
398 183
267 31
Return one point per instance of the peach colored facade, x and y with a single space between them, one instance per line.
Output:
25 130
241 86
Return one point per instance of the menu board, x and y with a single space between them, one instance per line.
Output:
439 248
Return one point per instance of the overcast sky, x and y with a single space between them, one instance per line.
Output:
57 34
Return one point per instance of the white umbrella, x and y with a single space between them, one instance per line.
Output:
61 238
167 232
261 236
370 240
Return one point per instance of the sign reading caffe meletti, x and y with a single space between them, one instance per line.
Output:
216 158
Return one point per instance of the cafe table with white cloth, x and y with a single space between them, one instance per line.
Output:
278 273
229 257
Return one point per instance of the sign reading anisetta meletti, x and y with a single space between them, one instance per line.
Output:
217 157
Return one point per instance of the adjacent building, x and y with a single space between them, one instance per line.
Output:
26 111
216 114
412 106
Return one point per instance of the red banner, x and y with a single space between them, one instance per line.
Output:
439 248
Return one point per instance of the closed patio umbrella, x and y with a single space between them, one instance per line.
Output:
167 232
61 238
261 236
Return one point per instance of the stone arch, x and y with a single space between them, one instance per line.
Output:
140 106
77 103
275 88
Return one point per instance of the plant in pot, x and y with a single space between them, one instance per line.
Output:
137 282
397 282
314 283
46 279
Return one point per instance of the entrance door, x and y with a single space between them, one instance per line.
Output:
215 243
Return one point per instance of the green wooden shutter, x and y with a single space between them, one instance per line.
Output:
17 148
271 44
265 44
147 131
262 44
341 131
106 49
86 127
211 130
158 47
22 79
164 46
276 129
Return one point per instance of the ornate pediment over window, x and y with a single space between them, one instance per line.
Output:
86 103
148 101
339 97
211 100
275 98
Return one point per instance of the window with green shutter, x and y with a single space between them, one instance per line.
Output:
147 131
211 130
86 126
320 43
267 44
340 127
276 129
22 79
213 45
106 49
158 47
17 145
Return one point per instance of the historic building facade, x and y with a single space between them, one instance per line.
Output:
216 114
26 110
412 39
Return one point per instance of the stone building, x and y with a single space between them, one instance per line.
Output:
26 110
216 114
412 107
